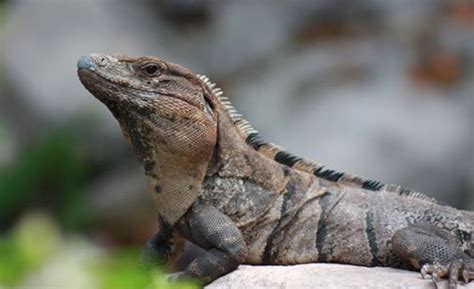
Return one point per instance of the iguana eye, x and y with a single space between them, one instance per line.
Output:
103 61
151 69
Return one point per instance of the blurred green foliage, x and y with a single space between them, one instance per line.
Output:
2 74
35 241
29 244
3 13
50 172
121 272
3 130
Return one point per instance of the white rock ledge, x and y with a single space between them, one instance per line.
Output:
325 276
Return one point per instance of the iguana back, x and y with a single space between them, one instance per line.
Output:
277 153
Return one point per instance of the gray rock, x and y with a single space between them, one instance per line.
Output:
326 276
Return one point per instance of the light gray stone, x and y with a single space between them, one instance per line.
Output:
328 276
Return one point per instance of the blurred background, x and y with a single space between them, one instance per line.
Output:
383 89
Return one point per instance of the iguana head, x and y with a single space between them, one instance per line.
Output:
166 113
150 97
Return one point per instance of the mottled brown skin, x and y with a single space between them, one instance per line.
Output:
243 200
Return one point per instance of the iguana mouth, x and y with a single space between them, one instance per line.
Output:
107 91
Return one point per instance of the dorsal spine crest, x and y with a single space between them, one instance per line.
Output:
277 153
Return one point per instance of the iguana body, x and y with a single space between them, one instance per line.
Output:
218 185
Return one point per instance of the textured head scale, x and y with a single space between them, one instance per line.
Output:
166 114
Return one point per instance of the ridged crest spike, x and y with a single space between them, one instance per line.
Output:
246 126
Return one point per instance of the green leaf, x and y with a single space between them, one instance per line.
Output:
12 266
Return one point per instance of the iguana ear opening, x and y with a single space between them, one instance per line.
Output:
210 100
470 245
208 106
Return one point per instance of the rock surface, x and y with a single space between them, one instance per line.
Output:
323 276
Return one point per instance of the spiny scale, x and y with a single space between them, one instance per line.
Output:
273 151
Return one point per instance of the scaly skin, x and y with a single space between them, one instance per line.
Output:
217 184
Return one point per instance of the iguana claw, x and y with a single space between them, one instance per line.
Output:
455 271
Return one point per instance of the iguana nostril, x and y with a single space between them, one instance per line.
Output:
85 62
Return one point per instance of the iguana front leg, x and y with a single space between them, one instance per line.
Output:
213 231
166 246
434 253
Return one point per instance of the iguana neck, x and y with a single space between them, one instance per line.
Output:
175 178
233 157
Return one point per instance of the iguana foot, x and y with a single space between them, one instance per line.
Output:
434 253
164 248
436 271
455 271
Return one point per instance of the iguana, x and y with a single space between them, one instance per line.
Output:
219 185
